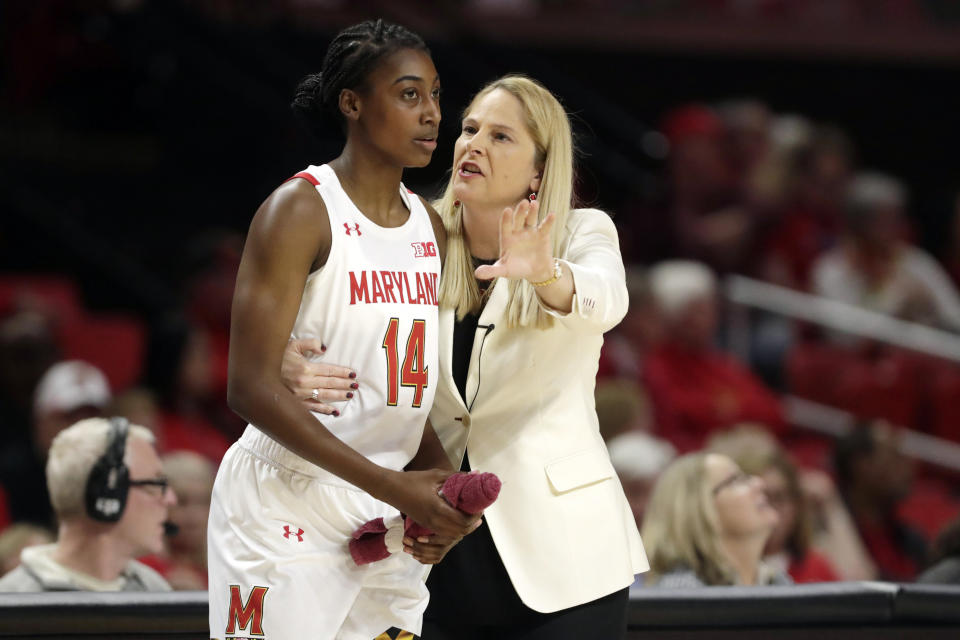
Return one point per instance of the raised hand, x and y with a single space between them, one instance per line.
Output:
526 249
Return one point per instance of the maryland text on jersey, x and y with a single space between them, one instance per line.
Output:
371 287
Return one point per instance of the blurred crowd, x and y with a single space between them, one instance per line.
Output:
726 487
59 365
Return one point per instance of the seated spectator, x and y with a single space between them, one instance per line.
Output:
697 389
15 539
626 344
945 566
815 172
139 406
790 546
707 524
708 220
184 565
622 407
179 370
27 349
112 501
876 269
748 124
873 477
815 539
69 391
639 458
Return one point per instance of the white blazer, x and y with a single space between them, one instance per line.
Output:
562 524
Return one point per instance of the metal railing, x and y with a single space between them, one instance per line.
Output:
747 293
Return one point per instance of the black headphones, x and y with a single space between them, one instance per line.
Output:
109 480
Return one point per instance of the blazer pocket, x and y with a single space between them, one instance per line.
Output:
579 470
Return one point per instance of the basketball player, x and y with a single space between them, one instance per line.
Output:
528 291
345 254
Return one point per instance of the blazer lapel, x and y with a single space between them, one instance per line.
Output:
492 314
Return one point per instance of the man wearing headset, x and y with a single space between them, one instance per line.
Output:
111 500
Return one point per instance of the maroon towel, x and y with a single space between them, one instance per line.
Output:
367 542
470 492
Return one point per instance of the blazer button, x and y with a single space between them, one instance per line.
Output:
465 419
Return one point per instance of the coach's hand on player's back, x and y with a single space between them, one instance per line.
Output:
316 383
416 493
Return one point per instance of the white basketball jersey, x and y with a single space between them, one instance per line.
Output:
374 305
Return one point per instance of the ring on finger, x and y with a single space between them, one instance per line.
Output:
315 394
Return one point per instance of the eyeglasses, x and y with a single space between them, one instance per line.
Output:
162 482
736 479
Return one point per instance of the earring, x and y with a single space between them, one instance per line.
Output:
533 197
456 203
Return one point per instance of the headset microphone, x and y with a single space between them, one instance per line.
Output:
170 529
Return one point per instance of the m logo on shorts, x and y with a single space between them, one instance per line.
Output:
241 615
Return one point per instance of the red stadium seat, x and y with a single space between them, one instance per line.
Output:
885 384
4 510
929 506
885 387
113 342
945 402
815 371
55 296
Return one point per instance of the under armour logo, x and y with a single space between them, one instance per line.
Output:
287 533
356 227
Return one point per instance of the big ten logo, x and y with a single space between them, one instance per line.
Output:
245 614
424 249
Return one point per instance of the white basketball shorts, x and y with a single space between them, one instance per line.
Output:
278 563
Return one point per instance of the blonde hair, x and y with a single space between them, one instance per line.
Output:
548 125
72 455
680 530
757 463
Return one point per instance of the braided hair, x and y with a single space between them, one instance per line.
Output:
351 56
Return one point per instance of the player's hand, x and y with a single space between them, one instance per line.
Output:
416 494
316 383
526 250
431 549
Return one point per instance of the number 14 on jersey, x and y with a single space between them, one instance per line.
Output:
413 372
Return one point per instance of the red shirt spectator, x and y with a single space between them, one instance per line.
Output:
813 567
695 388
795 244
698 392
